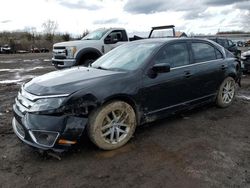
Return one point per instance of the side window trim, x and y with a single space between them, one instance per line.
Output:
194 64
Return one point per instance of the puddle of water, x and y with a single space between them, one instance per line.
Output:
17 80
10 70
34 68
27 60
21 70
244 97
10 81
8 61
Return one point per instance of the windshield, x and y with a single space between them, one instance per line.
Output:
95 35
127 57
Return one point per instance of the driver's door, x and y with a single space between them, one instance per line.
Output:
169 90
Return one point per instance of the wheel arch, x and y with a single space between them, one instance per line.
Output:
128 99
86 53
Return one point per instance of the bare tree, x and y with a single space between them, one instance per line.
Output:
50 28
66 37
85 32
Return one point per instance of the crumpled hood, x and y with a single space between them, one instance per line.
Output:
69 81
76 43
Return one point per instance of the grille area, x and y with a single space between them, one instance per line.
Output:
24 101
59 52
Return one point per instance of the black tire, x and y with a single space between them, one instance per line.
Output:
112 125
226 93
87 62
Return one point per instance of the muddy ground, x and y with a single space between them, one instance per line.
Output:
207 147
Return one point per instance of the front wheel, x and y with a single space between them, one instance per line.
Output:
88 62
226 93
112 125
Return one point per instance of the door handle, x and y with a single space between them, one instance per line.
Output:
223 67
188 74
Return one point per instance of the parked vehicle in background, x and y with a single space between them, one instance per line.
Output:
6 49
35 50
95 44
228 44
245 58
89 48
44 50
136 83
247 43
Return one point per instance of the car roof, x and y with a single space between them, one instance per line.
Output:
167 40
163 41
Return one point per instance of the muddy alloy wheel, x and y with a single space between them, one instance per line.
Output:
112 125
226 93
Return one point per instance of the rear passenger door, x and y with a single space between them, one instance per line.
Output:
208 67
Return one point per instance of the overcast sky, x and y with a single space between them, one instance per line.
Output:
74 16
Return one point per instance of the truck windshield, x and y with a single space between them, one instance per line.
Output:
162 33
127 57
95 35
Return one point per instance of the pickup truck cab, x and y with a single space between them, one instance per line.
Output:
89 48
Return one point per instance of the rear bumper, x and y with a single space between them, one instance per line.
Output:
62 127
63 63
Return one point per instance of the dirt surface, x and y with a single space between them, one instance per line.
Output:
206 147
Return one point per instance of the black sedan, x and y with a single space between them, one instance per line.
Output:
136 83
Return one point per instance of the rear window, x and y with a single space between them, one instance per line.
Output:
203 52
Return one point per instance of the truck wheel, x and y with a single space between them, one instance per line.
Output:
226 93
112 125
88 62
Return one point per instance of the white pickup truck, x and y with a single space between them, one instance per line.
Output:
95 44
89 48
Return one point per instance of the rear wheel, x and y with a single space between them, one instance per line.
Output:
226 93
112 125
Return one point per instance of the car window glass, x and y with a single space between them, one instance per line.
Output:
117 36
175 55
203 52
230 43
223 42
218 54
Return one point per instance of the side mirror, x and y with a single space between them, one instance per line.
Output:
161 68
110 40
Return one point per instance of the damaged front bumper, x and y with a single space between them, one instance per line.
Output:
48 132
